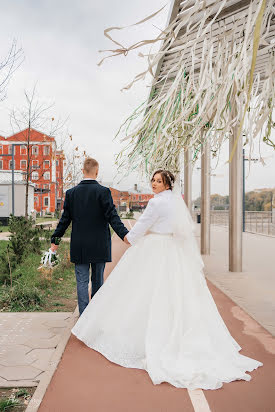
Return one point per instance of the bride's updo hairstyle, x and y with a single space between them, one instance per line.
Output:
167 177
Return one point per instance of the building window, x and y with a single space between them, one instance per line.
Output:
1 164
46 201
23 149
10 165
23 164
46 150
1 148
57 163
47 187
47 176
46 164
9 149
34 175
35 199
35 164
35 150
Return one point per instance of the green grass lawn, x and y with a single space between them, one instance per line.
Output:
45 219
4 228
35 290
15 399
39 290
3 245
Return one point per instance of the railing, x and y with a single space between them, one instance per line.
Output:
260 222
255 222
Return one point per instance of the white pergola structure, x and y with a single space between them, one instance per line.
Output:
233 13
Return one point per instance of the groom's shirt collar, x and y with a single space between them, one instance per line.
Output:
88 181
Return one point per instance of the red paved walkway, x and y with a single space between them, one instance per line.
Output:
87 382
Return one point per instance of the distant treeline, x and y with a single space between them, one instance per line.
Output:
259 200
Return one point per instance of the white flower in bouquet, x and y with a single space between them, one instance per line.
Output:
49 259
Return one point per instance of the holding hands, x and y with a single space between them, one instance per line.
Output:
126 240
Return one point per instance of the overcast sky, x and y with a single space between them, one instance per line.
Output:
60 40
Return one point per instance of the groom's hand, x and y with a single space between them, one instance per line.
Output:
126 240
54 247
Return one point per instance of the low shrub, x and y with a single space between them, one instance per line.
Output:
21 297
7 265
24 237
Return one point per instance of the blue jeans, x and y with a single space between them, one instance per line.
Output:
82 280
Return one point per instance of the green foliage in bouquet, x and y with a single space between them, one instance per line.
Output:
49 260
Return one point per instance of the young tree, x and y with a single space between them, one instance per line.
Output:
34 114
74 157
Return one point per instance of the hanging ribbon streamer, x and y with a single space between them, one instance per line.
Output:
125 50
256 41
200 77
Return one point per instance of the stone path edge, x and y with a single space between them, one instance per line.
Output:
240 305
48 374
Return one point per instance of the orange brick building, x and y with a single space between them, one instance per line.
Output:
45 166
139 200
129 199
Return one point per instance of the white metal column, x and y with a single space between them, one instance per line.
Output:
188 179
205 199
235 205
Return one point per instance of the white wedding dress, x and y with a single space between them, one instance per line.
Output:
155 311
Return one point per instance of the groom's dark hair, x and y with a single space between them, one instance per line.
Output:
90 165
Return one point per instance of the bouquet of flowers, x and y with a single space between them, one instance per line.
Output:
50 259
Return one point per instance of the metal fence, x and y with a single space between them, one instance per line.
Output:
255 222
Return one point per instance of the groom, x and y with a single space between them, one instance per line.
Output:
89 206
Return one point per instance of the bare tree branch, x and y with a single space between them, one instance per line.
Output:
8 66
34 114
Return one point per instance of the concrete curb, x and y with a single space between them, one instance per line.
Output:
48 374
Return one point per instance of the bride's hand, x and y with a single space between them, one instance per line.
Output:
126 240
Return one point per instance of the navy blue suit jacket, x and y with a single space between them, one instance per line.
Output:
90 208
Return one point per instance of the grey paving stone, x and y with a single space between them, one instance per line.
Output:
19 350
55 323
21 383
43 357
254 288
12 358
13 373
27 343
37 343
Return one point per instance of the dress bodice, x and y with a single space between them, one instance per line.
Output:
157 217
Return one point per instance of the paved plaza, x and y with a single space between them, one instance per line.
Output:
254 288
27 345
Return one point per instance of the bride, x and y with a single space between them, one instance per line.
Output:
155 311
